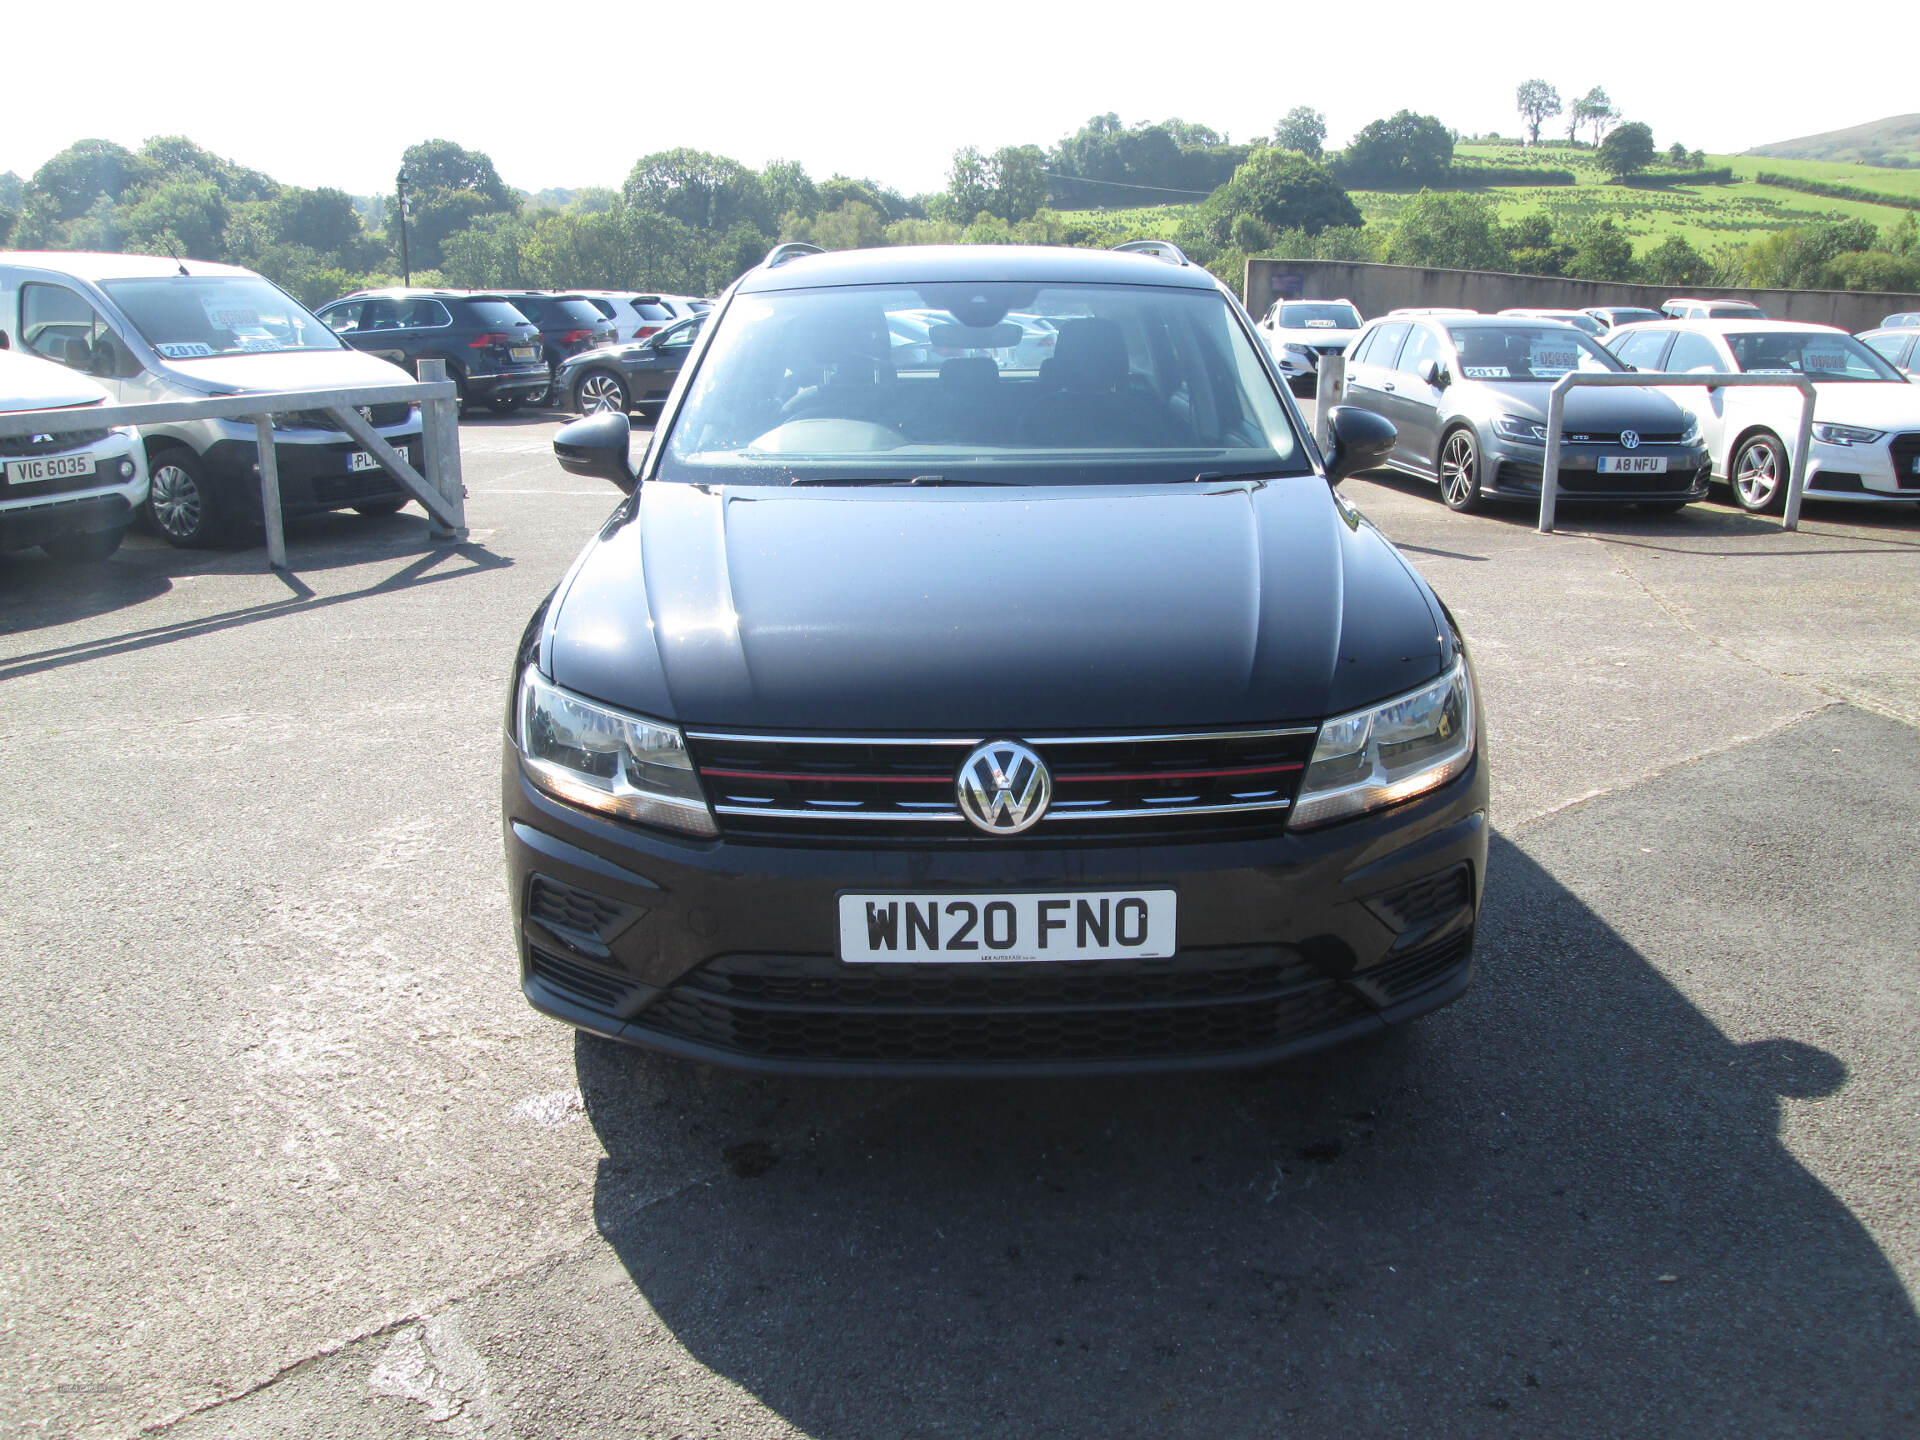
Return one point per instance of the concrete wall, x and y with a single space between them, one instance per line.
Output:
1377 289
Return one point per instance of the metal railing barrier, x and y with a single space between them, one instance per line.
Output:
440 491
1557 410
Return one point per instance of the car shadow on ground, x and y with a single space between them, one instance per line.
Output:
1562 1206
39 596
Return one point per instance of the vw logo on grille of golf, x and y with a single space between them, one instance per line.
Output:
1630 439
1004 787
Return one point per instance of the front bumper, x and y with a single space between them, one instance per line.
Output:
1511 469
726 950
313 477
1888 470
35 513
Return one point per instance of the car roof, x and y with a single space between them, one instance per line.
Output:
1738 327
983 264
1708 300
99 265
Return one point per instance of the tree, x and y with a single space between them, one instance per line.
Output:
1534 250
448 189
1537 101
1627 151
1282 191
787 187
443 165
181 218
1458 232
1674 262
1404 152
1018 177
1595 109
707 192
969 186
1677 154
1601 251
70 183
1303 129
322 220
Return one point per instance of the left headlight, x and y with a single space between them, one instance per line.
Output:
1518 427
602 759
1390 752
1846 434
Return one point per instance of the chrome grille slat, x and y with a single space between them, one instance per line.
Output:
1105 787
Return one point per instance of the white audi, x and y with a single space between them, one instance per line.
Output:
1866 431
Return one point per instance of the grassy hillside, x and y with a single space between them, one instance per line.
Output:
1896 137
1707 216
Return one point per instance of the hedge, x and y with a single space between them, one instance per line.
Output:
1661 179
1836 192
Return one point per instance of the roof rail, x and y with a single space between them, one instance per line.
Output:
1159 249
788 250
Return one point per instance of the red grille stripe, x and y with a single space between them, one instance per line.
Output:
863 779
1059 779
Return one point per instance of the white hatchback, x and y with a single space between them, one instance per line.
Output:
70 487
1866 431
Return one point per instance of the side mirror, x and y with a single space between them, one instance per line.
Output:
597 446
1435 374
1361 440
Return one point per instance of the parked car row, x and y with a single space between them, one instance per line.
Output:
502 348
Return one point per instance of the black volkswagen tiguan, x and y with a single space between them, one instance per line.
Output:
921 713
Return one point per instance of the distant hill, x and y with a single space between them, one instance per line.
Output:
1894 141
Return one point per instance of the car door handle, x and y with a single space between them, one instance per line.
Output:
1388 385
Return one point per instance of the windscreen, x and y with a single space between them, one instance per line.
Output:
1817 356
957 383
1318 317
196 317
1526 352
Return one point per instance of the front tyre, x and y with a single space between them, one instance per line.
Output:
600 392
1460 471
1759 474
380 507
180 501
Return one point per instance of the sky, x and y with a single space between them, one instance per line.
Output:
332 94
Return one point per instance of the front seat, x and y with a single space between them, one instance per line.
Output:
1084 394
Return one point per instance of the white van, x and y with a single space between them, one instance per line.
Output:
150 328
70 487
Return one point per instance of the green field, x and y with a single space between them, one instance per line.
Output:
1708 216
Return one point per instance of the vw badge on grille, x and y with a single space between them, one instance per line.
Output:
1630 439
1004 787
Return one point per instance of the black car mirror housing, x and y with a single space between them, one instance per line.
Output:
1361 440
597 446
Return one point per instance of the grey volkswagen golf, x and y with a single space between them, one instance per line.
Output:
942 708
1468 396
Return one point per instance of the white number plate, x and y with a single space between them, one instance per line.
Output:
53 467
1633 464
524 353
361 460
958 929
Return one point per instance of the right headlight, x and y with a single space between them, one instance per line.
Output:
607 760
1373 758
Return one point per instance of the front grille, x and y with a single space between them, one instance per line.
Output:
1613 437
55 443
1525 475
378 416
817 980
818 1009
355 487
1104 787
1906 454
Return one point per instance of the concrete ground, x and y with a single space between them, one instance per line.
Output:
284 1153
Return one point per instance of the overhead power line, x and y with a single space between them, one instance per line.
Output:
1123 185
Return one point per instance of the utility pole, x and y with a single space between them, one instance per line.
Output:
400 193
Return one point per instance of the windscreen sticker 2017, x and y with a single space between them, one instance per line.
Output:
1484 372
